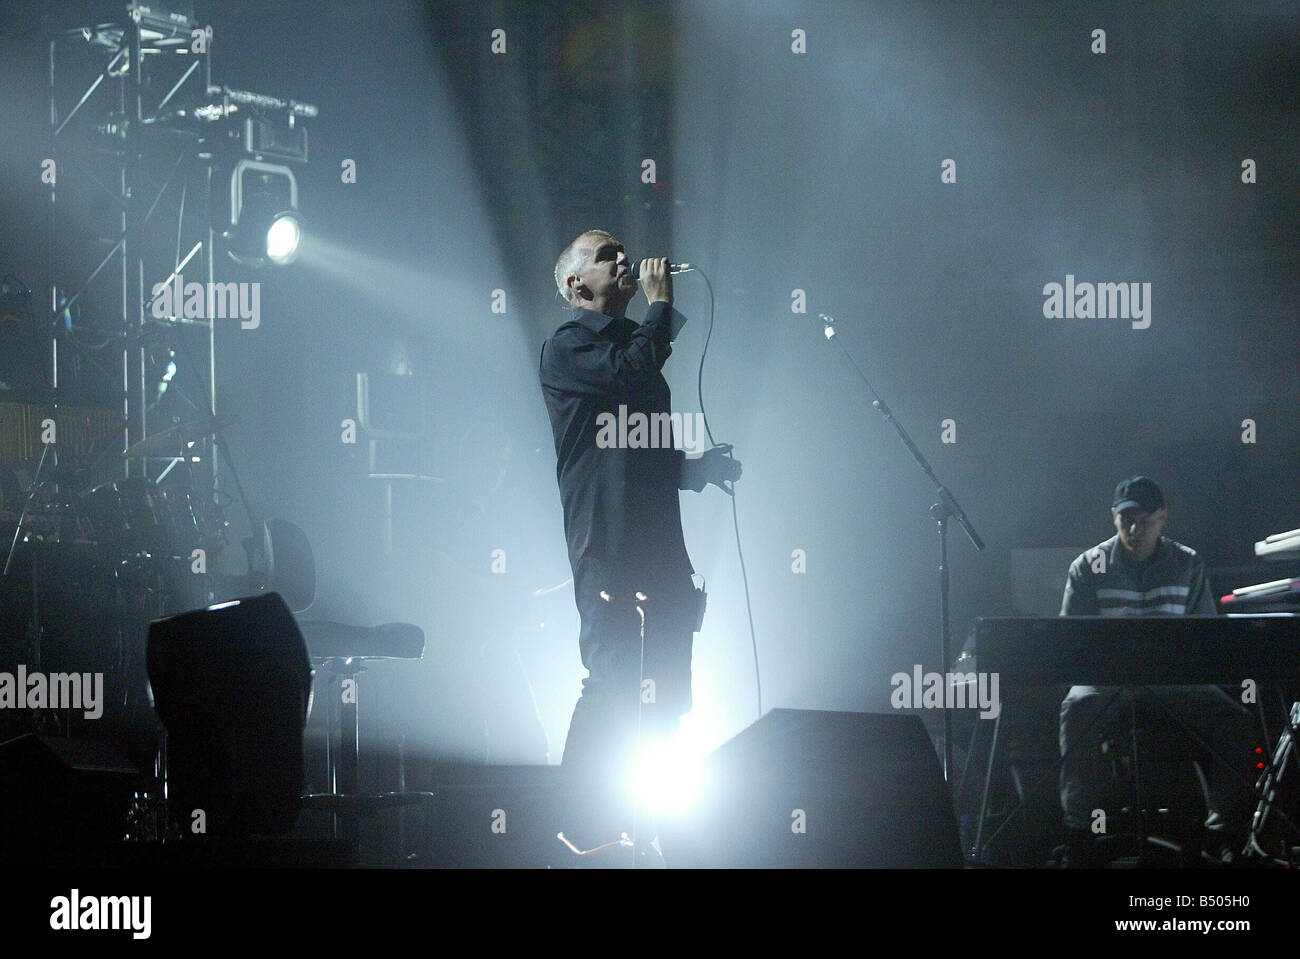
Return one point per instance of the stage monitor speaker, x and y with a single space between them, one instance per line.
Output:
809 788
231 683
63 801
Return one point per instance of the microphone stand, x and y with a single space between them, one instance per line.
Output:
947 507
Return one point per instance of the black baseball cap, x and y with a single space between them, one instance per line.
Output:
1138 492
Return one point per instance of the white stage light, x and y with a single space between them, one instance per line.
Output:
282 238
668 778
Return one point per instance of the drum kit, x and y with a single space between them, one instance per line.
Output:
86 569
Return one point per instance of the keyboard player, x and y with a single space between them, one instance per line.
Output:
1141 572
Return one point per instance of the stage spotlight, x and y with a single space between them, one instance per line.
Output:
282 238
667 778
265 225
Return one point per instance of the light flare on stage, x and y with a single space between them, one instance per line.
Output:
670 778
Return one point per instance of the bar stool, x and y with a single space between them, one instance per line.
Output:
342 651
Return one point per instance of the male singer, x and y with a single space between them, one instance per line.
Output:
623 523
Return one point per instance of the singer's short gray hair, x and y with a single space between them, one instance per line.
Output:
571 261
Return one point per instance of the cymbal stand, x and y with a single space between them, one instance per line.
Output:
34 623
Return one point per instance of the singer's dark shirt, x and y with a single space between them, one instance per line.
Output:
621 508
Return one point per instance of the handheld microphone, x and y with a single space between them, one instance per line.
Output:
672 268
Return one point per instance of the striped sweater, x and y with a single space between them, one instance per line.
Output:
1104 582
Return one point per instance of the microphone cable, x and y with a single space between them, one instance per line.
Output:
735 516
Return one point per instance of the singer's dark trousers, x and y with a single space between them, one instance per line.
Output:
635 692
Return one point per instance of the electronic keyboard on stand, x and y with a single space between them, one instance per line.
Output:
1139 650
1028 652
